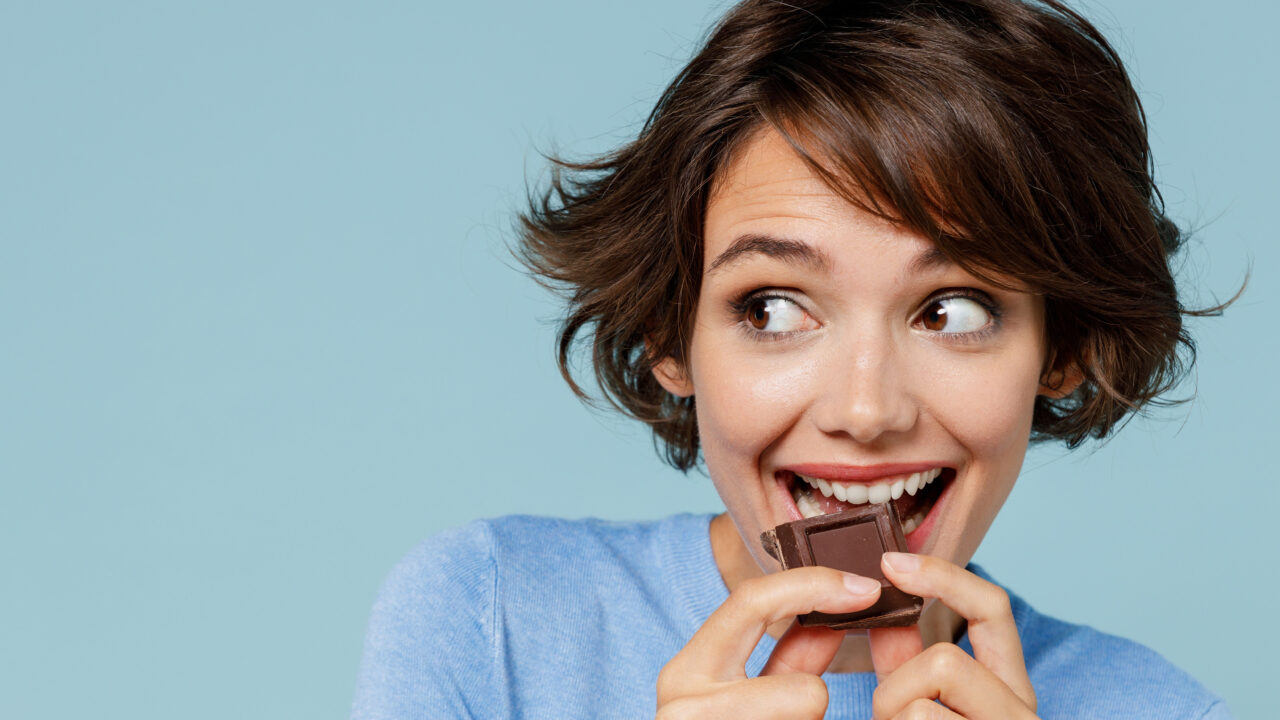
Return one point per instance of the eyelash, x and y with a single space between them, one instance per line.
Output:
740 306
986 301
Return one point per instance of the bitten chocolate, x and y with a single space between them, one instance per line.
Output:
852 541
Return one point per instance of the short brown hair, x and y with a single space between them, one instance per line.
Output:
1006 132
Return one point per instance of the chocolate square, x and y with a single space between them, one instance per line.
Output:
852 541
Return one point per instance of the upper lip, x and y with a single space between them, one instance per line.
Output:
859 473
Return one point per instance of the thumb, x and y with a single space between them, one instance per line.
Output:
892 646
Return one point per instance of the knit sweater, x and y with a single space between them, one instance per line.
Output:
526 617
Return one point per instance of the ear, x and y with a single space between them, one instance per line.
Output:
1059 382
671 375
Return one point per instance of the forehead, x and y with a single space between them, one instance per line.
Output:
763 173
767 187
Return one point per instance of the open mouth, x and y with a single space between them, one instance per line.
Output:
912 494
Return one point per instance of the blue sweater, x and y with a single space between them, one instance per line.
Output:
544 618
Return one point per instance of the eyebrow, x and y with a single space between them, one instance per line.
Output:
930 259
795 251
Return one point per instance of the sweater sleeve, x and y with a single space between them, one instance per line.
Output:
1217 711
430 646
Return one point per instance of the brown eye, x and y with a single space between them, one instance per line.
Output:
934 317
774 315
758 313
955 316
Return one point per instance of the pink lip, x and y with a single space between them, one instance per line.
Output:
860 473
917 538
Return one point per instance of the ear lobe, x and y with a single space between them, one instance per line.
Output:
672 377
1060 382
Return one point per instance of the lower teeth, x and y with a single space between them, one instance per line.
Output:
912 523
807 505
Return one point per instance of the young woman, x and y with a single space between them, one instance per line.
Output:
860 252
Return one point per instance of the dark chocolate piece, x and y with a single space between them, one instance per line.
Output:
852 541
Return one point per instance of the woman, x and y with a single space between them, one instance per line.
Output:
861 252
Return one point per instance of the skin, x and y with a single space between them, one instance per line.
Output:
850 366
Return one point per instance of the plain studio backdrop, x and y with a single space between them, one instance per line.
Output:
260 334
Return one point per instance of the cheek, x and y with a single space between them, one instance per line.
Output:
744 405
987 404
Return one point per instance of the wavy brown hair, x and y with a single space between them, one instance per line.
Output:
1006 132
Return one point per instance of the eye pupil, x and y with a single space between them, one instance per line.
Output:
935 318
758 315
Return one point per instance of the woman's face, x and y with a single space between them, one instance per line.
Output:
831 347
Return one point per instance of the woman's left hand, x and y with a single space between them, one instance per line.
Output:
993 683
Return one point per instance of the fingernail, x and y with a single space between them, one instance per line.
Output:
858 585
902 562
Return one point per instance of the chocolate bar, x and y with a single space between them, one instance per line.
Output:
852 541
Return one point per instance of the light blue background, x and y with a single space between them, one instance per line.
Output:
259 335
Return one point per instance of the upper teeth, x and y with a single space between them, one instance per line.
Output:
886 489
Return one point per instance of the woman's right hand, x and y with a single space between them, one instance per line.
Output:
707 678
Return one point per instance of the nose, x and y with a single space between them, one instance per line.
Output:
867 394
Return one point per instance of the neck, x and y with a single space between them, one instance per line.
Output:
736 564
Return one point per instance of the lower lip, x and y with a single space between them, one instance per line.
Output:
788 503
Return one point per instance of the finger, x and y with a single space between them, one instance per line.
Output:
925 709
984 605
891 647
947 673
804 650
798 696
719 649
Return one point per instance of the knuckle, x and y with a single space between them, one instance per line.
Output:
751 592
816 693
879 706
946 659
921 709
678 709
669 682
998 602
809 694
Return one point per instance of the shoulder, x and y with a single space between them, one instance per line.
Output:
464 562
432 621
484 618
461 569
466 568
583 563
459 558
589 540
454 569
1078 671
